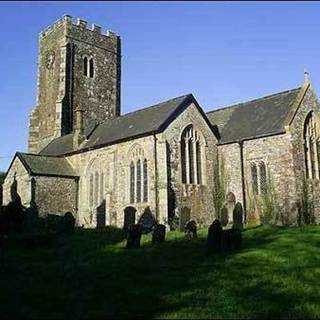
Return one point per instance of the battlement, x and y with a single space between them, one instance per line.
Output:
78 24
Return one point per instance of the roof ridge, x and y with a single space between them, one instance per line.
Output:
256 99
38 155
152 106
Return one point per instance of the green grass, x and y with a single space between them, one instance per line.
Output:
276 274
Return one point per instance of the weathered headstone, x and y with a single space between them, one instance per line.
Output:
214 237
230 203
147 221
238 216
184 217
134 236
159 233
191 229
69 222
224 216
129 218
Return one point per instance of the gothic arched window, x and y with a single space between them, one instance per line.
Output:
91 68
139 181
191 159
263 177
91 190
311 147
101 187
96 188
199 169
132 182
85 66
145 181
254 178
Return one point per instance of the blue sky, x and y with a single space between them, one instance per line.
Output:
222 52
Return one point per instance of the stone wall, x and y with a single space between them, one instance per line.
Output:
19 174
230 158
113 162
296 127
276 153
55 195
199 198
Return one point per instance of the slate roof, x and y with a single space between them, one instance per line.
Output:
46 165
256 118
131 125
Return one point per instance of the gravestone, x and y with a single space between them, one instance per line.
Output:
214 237
191 229
101 215
230 203
69 222
238 216
129 218
147 221
224 216
184 217
134 236
159 233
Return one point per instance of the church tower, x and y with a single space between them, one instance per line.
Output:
78 67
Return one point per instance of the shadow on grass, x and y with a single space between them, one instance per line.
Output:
274 275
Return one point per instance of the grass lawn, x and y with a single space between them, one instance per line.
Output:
276 274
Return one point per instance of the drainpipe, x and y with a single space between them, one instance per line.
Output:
156 176
242 181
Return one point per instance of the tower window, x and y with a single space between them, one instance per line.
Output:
91 69
85 66
88 67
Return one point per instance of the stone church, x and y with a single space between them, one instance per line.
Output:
172 159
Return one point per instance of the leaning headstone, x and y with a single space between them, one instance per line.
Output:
214 237
134 236
224 216
238 216
159 233
191 229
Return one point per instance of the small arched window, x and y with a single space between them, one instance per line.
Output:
191 158
91 68
132 182
85 66
263 178
254 178
311 147
145 181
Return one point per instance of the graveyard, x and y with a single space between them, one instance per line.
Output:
91 273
